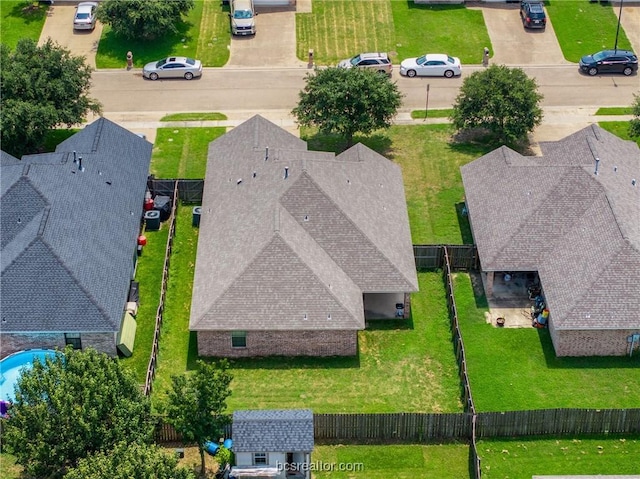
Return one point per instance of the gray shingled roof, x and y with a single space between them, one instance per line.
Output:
579 230
273 431
69 236
282 250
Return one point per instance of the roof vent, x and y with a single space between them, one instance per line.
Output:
597 164
329 316
306 217
254 174
80 168
75 158
239 181
305 316
286 172
266 153
348 181
615 169
633 182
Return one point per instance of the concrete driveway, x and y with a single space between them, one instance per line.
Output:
512 44
631 23
273 45
59 27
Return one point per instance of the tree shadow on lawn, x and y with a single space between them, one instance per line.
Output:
114 48
378 142
587 362
28 12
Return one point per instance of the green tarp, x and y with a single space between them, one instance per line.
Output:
127 335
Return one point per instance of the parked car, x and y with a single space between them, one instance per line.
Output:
243 17
173 67
377 61
85 17
532 14
610 61
432 65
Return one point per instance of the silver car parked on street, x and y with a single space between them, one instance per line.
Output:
173 67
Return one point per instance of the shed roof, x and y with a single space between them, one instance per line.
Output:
273 430
69 235
553 214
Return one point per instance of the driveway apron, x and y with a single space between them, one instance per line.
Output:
59 27
631 23
515 45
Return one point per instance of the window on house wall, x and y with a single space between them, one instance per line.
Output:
239 339
259 458
73 339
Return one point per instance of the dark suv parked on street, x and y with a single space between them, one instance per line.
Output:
610 61
532 14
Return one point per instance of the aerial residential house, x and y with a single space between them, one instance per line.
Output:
69 224
571 219
296 247
272 443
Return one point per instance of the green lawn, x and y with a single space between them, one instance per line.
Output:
452 29
615 110
412 461
442 113
513 368
182 152
21 19
583 28
618 128
523 458
338 29
205 116
204 34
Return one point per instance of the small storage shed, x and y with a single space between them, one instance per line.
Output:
127 335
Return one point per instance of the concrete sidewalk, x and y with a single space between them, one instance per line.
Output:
557 123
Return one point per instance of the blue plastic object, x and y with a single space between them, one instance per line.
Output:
211 447
228 443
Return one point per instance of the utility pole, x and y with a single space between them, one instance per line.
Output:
618 29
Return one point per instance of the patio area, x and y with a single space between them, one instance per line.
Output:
510 300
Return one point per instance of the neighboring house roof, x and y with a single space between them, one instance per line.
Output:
69 236
273 431
554 215
290 236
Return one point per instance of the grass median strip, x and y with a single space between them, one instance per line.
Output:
205 116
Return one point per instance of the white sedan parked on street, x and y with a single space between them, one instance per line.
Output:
431 65
173 67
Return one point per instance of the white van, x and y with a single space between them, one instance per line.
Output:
243 17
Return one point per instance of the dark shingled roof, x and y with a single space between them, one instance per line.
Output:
289 252
554 215
273 431
69 236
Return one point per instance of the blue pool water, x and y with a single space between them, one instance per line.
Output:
12 366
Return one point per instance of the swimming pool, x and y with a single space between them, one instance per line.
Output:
12 365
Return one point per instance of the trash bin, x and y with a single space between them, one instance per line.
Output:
152 220
195 221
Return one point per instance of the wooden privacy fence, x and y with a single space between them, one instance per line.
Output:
153 359
426 427
189 191
461 256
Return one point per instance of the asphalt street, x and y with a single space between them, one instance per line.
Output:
262 89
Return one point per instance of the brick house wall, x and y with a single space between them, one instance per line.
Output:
280 343
12 343
591 342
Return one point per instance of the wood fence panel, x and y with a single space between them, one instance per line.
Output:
189 191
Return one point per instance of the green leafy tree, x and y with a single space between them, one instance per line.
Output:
128 461
143 19
348 100
70 406
42 87
197 403
501 100
634 123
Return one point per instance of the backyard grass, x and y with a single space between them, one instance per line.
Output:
21 19
583 27
524 458
182 152
206 116
204 34
516 368
336 30
56 136
149 275
442 461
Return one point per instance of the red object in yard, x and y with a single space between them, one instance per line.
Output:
148 204
142 240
